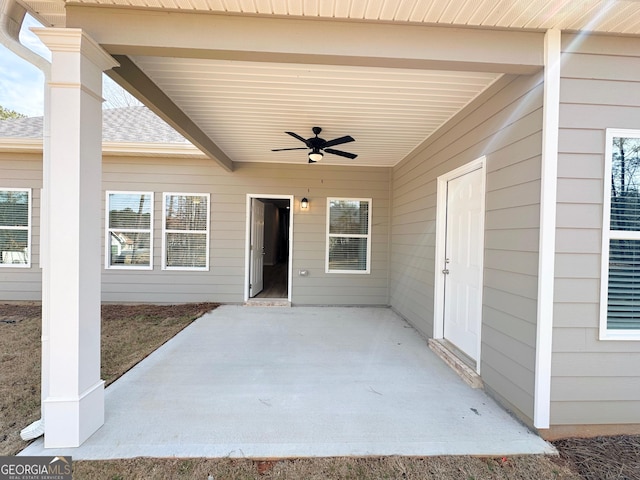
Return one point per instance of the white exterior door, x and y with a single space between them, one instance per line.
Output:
257 247
463 262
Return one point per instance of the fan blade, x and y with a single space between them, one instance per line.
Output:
341 153
339 141
295 135
283 149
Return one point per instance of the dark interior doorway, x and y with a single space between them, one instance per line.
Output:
277 215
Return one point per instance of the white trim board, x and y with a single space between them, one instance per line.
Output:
247 250
441 230
547 249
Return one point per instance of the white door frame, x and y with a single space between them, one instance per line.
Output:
441 231
247 251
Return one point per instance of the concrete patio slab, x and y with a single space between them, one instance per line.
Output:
268 382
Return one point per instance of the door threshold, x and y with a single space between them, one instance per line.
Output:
267 302
449 355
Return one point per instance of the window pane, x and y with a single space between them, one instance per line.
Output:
186 250
14 208
349 217
14 247
625 181
130 211
624 285
130 248
347 253
186 212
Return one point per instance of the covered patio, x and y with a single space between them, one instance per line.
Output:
273 382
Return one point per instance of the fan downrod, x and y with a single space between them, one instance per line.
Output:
316 130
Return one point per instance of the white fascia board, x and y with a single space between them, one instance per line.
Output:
153 149
34 145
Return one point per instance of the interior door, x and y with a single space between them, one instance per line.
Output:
257 247
463 262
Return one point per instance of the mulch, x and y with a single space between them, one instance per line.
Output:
15 312
602 458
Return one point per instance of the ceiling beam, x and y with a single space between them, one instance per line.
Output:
130 77
128 31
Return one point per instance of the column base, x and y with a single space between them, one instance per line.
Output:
70 421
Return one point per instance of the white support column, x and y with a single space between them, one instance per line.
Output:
547 248
73 406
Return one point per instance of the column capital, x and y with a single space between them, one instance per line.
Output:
75 40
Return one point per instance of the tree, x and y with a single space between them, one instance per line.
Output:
6 113
115 96
625 184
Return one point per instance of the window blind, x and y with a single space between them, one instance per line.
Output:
348 243
15 227
186 231
129 230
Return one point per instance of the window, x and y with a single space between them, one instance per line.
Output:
348 235
15 227
620 288
185 231
129 230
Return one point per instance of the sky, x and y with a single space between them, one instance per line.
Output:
22 84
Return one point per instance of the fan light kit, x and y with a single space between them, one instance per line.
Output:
319 146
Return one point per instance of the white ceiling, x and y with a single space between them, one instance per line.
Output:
246 107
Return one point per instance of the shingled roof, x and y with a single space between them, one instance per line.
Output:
127 125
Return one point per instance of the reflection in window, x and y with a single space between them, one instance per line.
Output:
621 237
186 231
129 230
15 227
625 181
348 235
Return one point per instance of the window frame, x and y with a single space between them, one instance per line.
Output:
608 235
108 230
165 231
28 228
329 235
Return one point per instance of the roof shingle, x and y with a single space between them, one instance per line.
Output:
127 125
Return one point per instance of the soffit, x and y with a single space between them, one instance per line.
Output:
605 16
246 107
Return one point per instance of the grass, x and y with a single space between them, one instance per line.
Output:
131 332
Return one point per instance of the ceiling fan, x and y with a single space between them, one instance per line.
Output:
319 145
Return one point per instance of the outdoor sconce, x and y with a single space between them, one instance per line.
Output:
304 203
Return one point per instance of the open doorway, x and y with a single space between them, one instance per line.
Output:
268 247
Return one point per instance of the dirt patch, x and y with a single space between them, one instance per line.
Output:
129 334
531 467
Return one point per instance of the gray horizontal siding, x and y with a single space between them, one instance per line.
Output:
224 282
504 124
23 171
593 381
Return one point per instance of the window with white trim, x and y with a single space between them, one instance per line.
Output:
15 227
348 235
620 287
185 231
129 228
